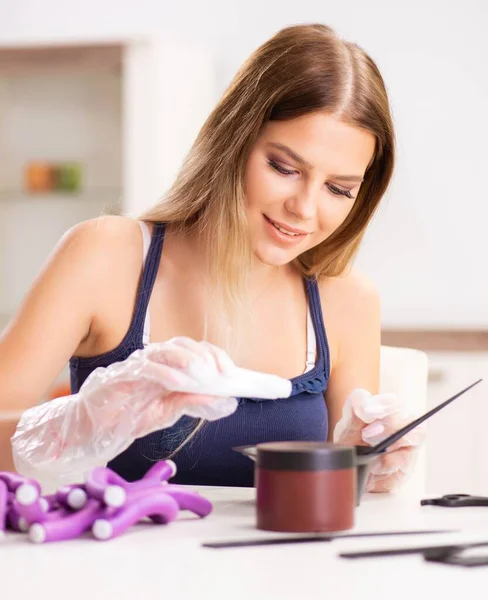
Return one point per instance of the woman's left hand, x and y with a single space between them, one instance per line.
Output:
369 419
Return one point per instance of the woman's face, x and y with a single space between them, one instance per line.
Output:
302 178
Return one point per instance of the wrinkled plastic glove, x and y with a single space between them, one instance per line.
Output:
59 441
369 419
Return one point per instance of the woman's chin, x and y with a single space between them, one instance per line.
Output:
274 257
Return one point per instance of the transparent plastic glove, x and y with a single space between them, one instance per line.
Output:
60 441
369 419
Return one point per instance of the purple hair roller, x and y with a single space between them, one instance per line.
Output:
28 493
68 527
161 471
31 513
3 507
57 513
187 500
72 496
105 485
15 521
44 503
49 502
27 504
157 475
15 481
159 506
112 489
12 480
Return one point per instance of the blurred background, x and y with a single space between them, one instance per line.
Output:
100 101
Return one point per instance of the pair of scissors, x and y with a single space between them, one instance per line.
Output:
455 500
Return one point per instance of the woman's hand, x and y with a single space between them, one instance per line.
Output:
142 394
369 419
63 438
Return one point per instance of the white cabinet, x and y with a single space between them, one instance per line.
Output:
126 111
57 105
456 450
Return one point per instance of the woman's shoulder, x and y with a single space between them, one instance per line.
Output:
109 233
351 287
104 240
107 249
107 254
350 302
351 309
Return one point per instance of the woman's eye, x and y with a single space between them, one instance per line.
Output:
274 165
333 188
340 192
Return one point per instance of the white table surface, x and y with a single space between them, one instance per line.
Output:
155 561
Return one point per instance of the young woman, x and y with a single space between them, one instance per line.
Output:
251 250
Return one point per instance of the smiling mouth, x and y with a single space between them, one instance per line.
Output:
288 232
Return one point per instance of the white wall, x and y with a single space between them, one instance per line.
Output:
168 91
427 248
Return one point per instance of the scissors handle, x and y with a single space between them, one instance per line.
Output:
455 500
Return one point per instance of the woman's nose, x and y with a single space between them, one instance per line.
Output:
303 204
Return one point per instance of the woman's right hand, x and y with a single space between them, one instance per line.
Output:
62 439
142 391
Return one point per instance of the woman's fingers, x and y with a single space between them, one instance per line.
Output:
172 354
224 362
413 438
379 430
391 462
391 470
192 346
370 408
373 433
385 483
349 427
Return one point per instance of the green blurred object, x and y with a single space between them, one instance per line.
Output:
67 177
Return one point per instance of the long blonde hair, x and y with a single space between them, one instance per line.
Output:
301 69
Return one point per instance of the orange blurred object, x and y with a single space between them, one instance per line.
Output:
63 389
39 177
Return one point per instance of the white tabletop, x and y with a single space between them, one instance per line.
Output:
153 561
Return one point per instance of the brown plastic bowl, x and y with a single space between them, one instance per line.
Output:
363 464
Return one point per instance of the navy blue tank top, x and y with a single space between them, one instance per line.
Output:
207 458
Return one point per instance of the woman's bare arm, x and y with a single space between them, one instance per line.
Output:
353 311
57 313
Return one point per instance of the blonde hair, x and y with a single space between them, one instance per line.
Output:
301 69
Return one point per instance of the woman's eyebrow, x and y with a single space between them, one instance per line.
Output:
357 178
299 159
292 154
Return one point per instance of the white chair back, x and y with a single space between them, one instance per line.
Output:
404 371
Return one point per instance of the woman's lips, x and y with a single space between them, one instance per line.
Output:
287 228
283 233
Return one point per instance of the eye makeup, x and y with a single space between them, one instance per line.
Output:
337 191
